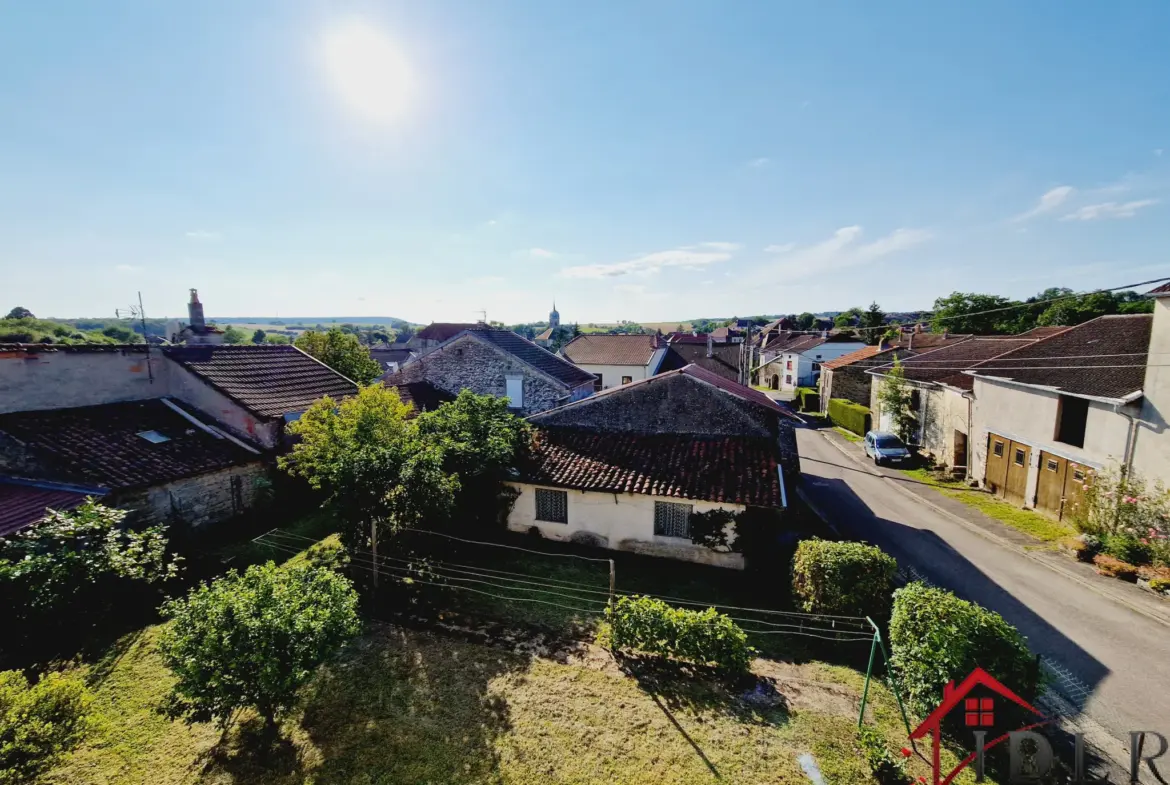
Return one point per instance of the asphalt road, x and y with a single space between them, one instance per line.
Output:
1119 660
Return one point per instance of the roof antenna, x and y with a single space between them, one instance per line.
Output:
482 315
138 312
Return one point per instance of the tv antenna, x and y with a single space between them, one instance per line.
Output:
138 312
482 315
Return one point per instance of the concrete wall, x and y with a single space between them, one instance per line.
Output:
1029 416
194 501
611 375
1151 453
192 390
943 411
468 363
37 380
623 521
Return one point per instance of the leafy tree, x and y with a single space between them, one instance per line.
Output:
378 474
343 353
848 318
403 334
234 335
277 338
252 641
122 334
20 313
480 439
39 722
895 398
806 321
259 336
1133 302
961 312
872 320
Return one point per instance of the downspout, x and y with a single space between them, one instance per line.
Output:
783 492
970 439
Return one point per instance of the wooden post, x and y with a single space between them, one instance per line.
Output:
612 581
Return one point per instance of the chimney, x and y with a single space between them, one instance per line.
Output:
710 345
195 312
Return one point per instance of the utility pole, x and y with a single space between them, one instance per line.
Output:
139 312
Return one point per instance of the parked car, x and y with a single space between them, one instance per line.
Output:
886 448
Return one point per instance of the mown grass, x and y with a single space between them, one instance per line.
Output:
402 706
850 435
1026 521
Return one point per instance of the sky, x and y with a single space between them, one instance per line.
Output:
648 161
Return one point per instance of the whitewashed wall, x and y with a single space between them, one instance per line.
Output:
611 375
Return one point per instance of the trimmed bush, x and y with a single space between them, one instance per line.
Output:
39 722
849 415
936 637
842 578
649 625
808 400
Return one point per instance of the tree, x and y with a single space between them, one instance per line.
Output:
403 334
872 321
1076 310
259 336
39 722
961 312
277 338
234 335
20 313
848 318
480 440
343 353
895 397
368 458
806 321
252 641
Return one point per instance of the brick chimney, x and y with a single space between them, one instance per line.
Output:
195 313
710 345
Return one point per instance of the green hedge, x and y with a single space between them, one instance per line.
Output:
849 415
649 625
936 637
808 399
842 578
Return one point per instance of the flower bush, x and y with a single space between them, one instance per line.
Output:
1128 516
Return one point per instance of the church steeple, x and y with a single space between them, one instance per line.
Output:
554 318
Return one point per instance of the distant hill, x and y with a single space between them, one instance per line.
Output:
310 321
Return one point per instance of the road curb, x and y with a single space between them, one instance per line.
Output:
995 538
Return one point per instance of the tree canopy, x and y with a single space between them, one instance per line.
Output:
20 313
342 352
234 335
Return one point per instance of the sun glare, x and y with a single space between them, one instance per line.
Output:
368 71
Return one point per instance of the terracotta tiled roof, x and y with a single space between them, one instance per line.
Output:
546 335
923 341
1042 332
24 503
724 359
442 331
422 396
102 445
611 349
848 359
1066 361
542 359
1162 289
735 470
946 364
677 338
269 380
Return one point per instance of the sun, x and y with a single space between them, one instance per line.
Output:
368 71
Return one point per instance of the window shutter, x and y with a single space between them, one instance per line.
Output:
672 520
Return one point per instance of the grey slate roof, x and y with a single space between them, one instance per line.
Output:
526 351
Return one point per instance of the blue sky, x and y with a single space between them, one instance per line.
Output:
635 160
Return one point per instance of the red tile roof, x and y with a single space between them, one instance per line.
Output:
848 359
24 503
270 380
1042 332
442 331
102 445
611 349
946 365
733 470
1162 289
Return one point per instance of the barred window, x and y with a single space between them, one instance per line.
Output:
552 506
672 520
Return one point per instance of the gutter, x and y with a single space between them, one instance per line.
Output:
783 492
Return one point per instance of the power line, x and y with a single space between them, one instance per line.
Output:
919 359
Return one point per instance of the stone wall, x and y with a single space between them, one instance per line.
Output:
195 501
849 382
470 364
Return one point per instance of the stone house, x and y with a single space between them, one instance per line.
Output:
794 359
615 359
845 377
490 361
626 468
723 360
435 334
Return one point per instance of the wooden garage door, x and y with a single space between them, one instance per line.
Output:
1007 467
1061 485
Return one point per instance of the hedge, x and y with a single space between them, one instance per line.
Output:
649 625
808 399
849 415
935 637
842 578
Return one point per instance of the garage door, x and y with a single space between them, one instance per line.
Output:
1007 468
1060 486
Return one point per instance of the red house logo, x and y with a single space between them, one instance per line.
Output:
977 712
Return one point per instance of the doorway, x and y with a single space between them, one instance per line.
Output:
775 382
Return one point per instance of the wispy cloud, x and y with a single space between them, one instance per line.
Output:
759 163
542 253
1050 201
843 250
694 257
785 248
204 236
1093 212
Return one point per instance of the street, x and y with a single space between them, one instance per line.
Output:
1117 658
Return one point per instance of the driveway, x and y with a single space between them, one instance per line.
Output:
1111 660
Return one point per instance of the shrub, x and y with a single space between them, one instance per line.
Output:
844 578
849 415
887 768
1115 568
1160 584
39 722
1126 548
252 640
936 637
649 625
808 399
1121 504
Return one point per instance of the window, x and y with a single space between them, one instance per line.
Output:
1051 465
979 712
788 378
915 400
997 448
1072 414
627 379
552 506
672 520
1079 475
1019 457
599 384
788 365
515 391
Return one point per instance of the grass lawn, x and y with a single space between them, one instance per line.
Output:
850 435
1039 526
403 706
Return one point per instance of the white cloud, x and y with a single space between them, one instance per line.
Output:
1051 200
759 163
203 235
844 250
785 248
1093 212
542 253
694 257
